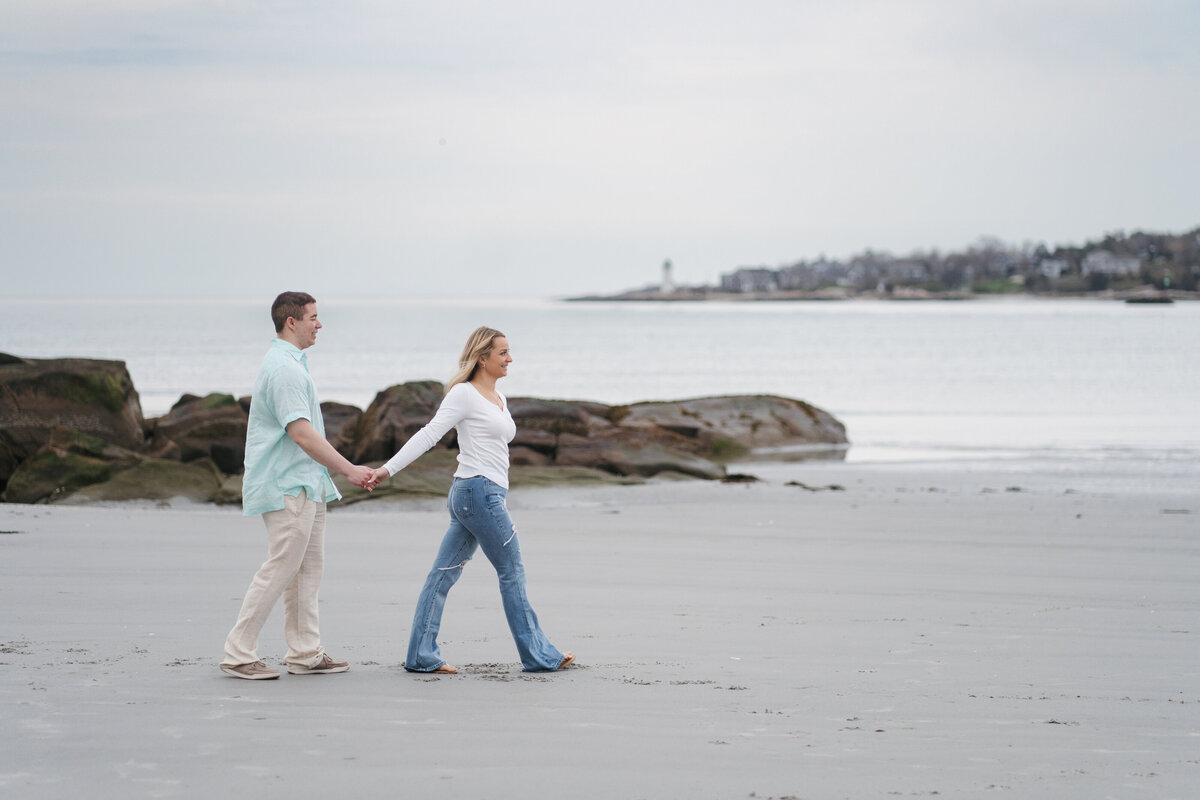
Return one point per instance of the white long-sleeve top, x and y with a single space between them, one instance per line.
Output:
484 431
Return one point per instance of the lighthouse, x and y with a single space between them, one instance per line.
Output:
668 281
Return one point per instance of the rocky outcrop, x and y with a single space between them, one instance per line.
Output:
71 430
86 395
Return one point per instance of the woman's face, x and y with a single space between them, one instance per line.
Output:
496 363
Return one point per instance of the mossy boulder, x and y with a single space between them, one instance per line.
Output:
88 395
70 460
49 475
198 481
68 440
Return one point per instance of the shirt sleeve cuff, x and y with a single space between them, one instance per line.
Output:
290 418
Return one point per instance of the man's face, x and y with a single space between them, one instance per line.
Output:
307 326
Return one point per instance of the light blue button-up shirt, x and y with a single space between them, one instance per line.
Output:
276 466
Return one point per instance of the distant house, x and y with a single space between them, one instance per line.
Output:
1102 262
856 274
827 271
907 270
795 277
807 277
1053 268
749 279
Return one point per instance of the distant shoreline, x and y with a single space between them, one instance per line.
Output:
1150 296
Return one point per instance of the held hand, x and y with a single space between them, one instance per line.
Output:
377 477
360 476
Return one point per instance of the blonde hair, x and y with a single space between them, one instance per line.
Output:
479 345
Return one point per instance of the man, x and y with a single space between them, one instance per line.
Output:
287 481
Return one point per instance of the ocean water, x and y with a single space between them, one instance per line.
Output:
999 381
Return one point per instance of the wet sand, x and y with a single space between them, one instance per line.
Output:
949 632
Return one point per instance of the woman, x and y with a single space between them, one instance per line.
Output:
478 514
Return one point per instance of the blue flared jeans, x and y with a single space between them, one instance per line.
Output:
478 519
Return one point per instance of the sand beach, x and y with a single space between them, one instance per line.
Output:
943 631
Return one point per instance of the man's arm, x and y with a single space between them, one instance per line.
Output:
321 451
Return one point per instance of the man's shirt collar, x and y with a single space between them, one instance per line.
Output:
291 349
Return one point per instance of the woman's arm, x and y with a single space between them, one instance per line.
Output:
452 410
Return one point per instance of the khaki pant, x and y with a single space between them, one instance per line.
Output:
294 565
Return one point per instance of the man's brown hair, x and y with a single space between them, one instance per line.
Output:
289 304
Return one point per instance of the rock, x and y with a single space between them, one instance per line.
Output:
160 447
833 487
743 421
341 426
86 395
71 441
554 417
534 440
540 477
199 481
8 457
230 493
49 475
70 460
393 417
519 456
213 426
630 453
687 436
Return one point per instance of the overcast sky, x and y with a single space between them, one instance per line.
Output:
554 148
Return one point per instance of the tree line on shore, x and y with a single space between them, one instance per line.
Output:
1119 262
